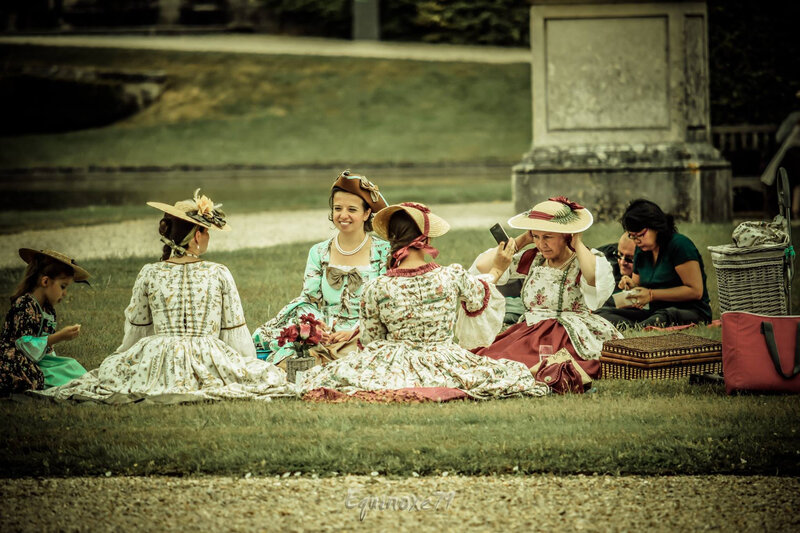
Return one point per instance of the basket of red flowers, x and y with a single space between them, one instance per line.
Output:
304 335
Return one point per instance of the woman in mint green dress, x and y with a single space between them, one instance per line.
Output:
27 357
335 273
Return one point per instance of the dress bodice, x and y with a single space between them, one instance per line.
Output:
185 299
420 308
552 288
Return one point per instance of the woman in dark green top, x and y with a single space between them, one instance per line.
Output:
668 285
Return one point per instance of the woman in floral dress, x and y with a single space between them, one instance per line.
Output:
408 317
335 274
185 332
563 282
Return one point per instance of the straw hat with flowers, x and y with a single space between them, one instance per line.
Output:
556 215
199 210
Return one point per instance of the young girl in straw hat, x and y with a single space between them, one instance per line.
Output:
408 318
563 281
27 355
335 273
185 332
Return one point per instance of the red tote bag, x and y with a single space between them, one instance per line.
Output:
760 352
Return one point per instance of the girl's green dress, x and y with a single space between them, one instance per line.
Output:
34 326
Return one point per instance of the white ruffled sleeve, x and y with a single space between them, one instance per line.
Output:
509 274
480 315
138 319
233 327
603 282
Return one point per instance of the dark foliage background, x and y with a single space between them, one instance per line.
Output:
754 53
754 50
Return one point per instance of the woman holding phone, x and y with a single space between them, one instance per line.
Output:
562 282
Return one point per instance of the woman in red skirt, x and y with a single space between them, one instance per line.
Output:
563 281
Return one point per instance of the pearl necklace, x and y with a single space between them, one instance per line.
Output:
354 250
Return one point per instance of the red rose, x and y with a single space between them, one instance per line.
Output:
288 334
309 319
315 337
305 330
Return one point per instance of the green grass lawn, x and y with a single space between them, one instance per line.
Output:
647 427
643 427
288 110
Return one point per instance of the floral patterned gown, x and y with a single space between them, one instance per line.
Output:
407 322
559 306
331 293
185 340
26 361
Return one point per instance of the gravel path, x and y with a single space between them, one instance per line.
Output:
274 44
139 238
514 503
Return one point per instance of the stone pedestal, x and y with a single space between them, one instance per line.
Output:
621 111
366 20
169 12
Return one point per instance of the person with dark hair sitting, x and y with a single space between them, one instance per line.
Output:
668 285
620 256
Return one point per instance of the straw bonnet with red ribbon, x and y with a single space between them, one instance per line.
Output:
79 273
556 215
361 186
200 210
429 225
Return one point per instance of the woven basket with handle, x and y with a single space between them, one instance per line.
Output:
751 280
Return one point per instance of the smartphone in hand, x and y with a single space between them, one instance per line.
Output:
499 233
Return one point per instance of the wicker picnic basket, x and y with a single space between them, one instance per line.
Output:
660 357
751 279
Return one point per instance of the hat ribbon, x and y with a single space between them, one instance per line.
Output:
562 219
540 215
213 218
179 249
566 201
420 243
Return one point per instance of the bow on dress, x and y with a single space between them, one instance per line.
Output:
336 277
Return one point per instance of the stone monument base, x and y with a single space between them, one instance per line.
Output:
689 180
